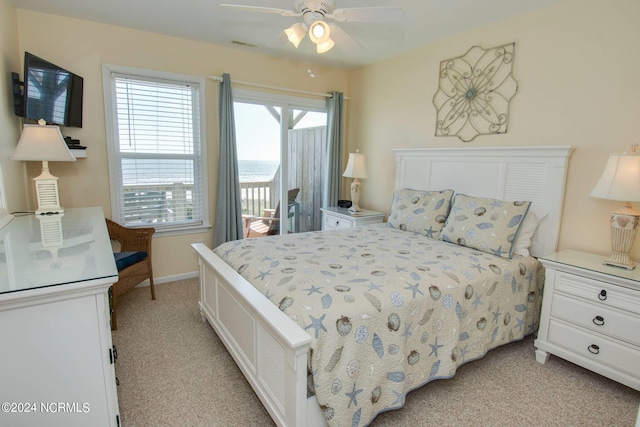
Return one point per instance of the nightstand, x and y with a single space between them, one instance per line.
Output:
334 218
591 315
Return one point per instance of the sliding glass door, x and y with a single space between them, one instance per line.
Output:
281 145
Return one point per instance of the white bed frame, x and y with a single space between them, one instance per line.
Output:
271 349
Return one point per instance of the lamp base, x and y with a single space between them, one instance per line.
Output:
47 192
624 224
620 260
355 198
355 210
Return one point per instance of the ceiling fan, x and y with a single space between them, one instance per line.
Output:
326 35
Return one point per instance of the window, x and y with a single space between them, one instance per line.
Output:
157 161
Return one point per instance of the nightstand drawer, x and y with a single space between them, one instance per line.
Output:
333 222
597 318
596 348
598 292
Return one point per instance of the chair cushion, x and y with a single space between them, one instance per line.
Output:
127 259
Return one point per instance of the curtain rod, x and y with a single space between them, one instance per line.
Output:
283 89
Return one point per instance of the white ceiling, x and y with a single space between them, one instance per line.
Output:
427 21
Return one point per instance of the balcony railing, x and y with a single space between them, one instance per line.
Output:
256 196
173 202
158 203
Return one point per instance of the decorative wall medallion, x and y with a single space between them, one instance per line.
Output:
474 93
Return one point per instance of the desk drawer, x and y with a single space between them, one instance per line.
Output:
597 318
598 292
596 348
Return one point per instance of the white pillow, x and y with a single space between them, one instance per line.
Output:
529 226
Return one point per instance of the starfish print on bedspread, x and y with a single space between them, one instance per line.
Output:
316 324
313 289
353 396
496 315
263 274
477 301
414 289
479 267
499 251
435 347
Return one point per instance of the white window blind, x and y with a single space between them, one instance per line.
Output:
157 151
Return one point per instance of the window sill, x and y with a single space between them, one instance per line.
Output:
175 231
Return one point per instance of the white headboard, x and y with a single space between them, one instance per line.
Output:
537 174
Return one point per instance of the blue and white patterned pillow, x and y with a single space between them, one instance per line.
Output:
489 225
423 212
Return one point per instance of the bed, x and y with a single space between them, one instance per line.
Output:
417 317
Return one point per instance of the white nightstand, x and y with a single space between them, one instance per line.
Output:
591 315
333 218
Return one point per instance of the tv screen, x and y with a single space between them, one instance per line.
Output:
51 93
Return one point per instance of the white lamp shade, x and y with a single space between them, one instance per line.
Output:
356 166
295 34
325 47
319 32
42 142
620 179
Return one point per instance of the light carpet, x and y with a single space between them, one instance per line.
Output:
174 371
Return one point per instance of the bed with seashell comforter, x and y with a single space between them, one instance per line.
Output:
388 310
374 312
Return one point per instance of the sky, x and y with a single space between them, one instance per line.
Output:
258 132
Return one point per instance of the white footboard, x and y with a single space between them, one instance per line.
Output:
269 347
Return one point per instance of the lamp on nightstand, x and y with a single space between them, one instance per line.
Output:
356 168
621 181
44 143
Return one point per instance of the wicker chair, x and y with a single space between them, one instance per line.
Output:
134 261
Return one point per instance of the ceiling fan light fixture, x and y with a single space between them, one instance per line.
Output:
319 32
295 34
325 47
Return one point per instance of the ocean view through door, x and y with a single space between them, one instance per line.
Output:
279 158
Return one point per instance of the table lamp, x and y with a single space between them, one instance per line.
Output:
44 143
621 181
356 168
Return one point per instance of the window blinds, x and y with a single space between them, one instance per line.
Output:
158 151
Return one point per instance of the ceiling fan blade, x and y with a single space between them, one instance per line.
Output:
343 40
280 41
242 8
391 15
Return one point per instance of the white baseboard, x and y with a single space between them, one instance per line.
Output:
167 279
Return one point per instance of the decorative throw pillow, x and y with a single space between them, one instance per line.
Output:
489 225
423 212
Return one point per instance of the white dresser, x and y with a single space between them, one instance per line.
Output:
335 218
56 357
591 315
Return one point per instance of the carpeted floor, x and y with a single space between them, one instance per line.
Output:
174 371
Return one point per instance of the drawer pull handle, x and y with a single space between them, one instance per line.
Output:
602 295
598 320
593 349
337 223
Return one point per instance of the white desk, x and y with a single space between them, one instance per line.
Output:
56 357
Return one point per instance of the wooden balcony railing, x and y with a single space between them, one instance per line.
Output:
173 202
256 196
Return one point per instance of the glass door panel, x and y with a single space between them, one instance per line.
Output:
279 156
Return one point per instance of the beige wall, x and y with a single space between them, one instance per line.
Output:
577 66
13 173
83 46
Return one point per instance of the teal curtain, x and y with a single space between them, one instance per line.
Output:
228 203
333 172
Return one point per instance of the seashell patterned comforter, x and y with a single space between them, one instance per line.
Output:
388 310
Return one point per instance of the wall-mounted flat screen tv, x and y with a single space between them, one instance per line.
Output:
51 93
